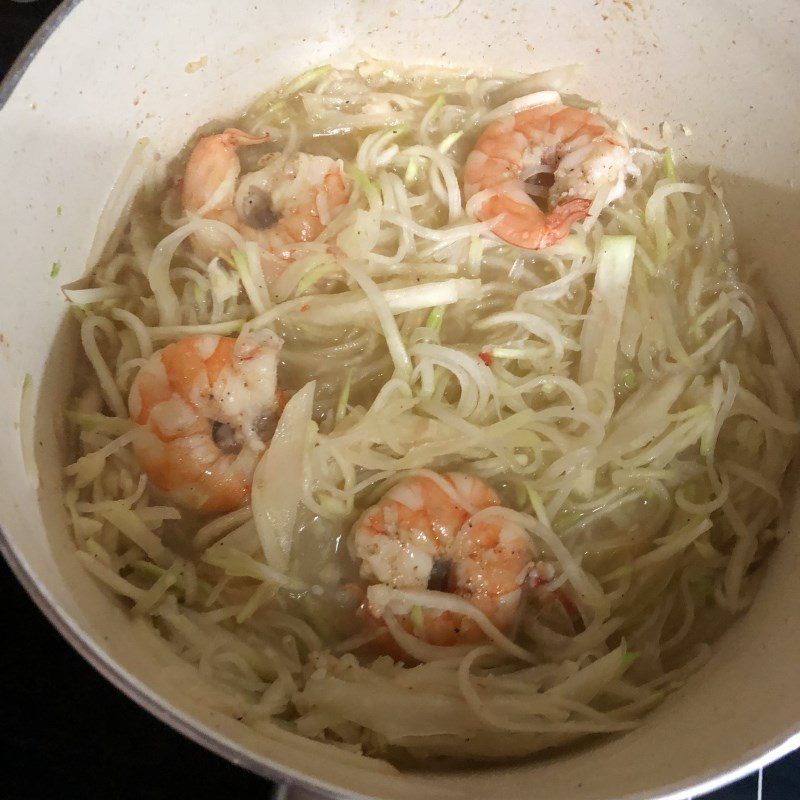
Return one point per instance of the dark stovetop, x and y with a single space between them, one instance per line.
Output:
67 733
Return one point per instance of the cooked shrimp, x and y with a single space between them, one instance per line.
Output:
203 408
445 532
492 556
290 199
577 147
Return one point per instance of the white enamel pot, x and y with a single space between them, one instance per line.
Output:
101 74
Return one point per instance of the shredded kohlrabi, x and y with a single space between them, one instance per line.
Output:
278 480
629 397
601 328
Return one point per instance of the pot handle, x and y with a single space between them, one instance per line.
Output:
293 791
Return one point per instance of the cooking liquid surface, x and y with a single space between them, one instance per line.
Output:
646 483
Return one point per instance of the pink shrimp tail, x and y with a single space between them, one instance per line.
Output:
236 138
563 217
525 225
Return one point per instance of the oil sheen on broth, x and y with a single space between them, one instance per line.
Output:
427 414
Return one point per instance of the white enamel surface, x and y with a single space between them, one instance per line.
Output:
114 72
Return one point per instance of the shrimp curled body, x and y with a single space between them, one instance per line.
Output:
577 148
203 407
445 532
290 199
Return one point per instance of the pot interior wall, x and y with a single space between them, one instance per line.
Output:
112 73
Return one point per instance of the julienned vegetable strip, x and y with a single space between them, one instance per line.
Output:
601 329
278 480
